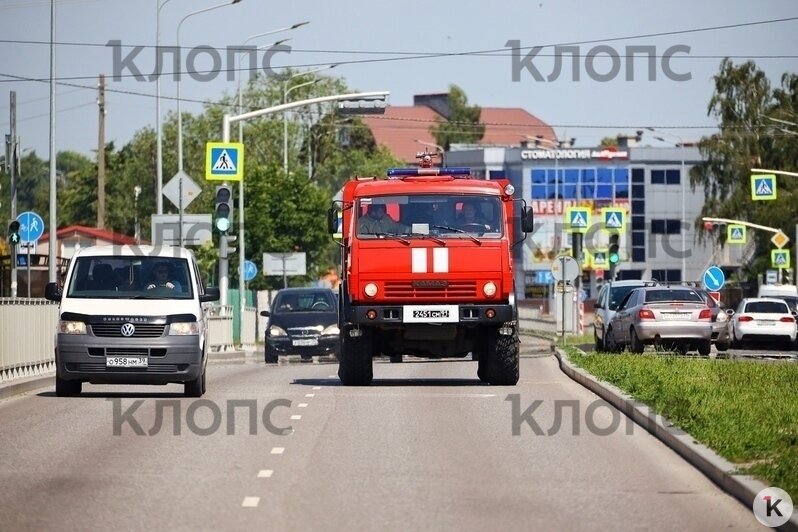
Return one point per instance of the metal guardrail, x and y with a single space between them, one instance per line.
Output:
27 335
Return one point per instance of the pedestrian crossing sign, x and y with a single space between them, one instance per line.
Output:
763 186
780 258
613 219
600 260
735 234
577 219
224 161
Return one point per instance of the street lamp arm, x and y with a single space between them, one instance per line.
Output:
287 92
768 171
741 222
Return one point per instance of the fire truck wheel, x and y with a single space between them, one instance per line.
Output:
355 367
502 363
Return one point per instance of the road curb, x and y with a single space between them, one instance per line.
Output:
26 385
744 488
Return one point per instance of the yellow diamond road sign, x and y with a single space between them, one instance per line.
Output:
780 239
780 258
224 161
735 234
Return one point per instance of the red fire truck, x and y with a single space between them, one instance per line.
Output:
428 270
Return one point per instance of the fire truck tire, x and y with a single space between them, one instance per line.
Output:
503 360
355 366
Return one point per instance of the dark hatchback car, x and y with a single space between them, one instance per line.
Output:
302 321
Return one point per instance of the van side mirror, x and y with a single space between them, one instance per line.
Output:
528 221
53 292
211 294
265 313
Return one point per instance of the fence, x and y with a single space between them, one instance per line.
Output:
27 335
220 327
248 332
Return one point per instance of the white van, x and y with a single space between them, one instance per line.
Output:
787 292
131 315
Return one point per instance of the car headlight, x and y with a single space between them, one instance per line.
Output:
332 330
370 289
184 328
489 289
274 330
71 327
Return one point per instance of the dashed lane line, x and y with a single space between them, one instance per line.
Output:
250 502
265 473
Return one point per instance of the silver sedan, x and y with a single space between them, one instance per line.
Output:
667 316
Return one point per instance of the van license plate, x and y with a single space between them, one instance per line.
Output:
126 362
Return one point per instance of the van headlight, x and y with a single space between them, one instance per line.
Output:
332 330
184 328
274 330
71 327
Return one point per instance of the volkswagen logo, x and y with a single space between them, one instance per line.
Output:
128 329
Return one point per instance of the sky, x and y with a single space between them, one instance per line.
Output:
584 109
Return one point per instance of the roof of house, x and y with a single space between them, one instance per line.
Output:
92 232
401 127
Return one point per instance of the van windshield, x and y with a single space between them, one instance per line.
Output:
115 277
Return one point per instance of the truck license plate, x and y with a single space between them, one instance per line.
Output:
126 362
430 314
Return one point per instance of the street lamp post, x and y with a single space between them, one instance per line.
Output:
180 115
286 91
683 181
136 228
158 132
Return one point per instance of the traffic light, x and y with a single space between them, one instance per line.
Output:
223 213
224 246
13 232
614 255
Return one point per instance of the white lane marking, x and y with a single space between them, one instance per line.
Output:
317 387
250 502
302 405
418 259
278 450
310 395
296 416
265 473
440 260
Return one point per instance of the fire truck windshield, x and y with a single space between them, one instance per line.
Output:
439 215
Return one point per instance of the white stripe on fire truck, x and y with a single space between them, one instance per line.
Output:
419 260
440 260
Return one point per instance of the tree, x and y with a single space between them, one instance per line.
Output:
462 125
741 101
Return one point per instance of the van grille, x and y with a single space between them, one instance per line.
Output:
114 330
454 290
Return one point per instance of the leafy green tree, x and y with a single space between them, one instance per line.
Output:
463 124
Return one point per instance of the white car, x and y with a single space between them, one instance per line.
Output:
764 319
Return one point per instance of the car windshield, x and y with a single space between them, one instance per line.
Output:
310 301
617 294
119 277
666 295
424 216
767 307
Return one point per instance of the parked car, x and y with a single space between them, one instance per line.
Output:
720 321
668 316
763 319
302 321
610 296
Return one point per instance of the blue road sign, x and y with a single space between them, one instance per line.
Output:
31 226
250 270
714 279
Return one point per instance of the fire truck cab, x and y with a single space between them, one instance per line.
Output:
428 270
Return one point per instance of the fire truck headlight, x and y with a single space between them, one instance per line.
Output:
370 289
489 289
509 190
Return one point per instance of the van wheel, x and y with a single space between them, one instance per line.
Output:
65 388
196 387
396 358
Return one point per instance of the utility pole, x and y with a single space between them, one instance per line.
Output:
101 156
13 145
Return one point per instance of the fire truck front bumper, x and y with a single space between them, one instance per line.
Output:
463 314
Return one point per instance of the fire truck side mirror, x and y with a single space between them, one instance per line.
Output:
528 222
332 221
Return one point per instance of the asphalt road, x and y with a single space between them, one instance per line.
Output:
426 447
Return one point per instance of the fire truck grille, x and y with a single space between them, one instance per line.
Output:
454 290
